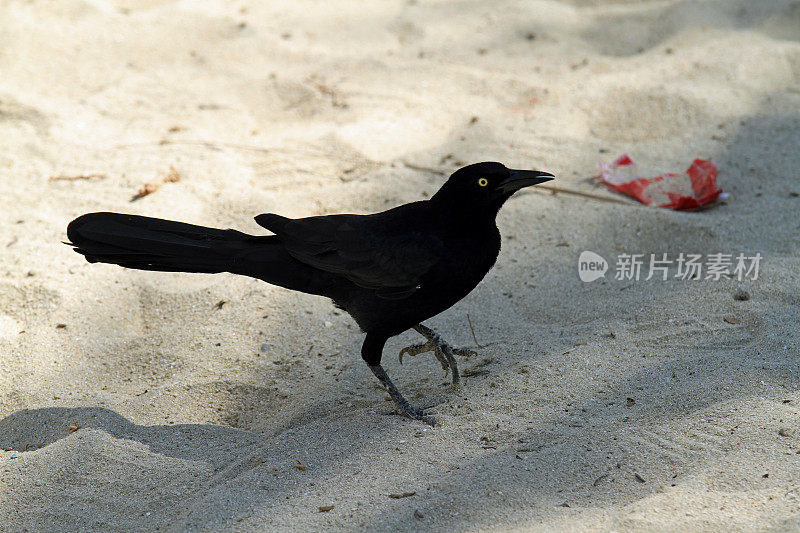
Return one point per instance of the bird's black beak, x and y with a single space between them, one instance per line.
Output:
518 179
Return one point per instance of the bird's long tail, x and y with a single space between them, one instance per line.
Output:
145 243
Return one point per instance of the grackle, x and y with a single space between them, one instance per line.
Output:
390 271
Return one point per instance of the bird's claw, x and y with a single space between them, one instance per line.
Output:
443 352
401 405
430 346
415 413
464 352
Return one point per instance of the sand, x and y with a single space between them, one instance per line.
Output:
136 401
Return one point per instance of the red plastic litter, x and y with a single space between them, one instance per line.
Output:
669 190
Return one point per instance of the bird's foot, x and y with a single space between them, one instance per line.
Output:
409 411
443 351
430 346
401 404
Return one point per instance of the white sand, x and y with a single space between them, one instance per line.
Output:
302 108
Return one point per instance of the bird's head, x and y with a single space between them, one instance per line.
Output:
484 187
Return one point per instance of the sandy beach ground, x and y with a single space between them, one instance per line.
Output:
136 401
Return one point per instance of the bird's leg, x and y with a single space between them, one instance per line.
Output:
402 405
371 352
443 351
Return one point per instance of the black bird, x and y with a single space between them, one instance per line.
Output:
390 271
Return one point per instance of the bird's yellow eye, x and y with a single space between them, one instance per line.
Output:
483 182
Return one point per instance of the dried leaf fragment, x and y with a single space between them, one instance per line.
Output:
152 186
399 495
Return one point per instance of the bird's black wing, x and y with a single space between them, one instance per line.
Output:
391 261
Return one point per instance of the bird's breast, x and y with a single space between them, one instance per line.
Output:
466 263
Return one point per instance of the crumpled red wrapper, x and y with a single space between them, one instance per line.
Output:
670 190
